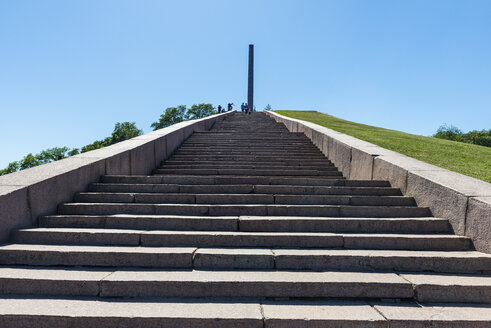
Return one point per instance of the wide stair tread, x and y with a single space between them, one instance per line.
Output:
242 198
113 282
98 236
243 209
246 258
415 225
190 313
237 179
242 189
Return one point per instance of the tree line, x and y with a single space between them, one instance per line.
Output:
477 137
122 131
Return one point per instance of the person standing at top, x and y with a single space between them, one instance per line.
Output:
219 108
230 106
242 107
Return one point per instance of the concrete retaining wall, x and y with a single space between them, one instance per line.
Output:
465 201
27 194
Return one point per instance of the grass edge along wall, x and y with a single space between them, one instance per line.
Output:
468 159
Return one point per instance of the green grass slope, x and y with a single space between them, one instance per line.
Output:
468 159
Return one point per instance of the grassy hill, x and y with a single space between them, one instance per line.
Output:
468 159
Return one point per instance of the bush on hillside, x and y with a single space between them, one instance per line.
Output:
482 137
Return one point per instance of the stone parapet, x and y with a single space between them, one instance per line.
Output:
464 201
27 194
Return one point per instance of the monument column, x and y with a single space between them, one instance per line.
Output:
250 86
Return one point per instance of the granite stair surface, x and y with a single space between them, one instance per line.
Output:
245 225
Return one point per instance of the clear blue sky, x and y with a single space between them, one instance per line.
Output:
69 70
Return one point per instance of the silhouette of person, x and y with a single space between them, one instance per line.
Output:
242 107
219 109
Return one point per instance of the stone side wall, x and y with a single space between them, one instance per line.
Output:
27 194
465 201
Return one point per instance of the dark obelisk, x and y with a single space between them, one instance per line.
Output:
250 86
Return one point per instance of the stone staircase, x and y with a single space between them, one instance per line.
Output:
246 225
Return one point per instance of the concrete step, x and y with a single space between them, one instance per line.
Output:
250 223
205 152
249 139
94 236
338 224
286 146
246 258
245 130
450 287
303 314
406 242
190 313
263 142
343 259
18 312
249 158
281 153
243 189
249 132
192 198
326 190
238 159
289 148
152 187
253 138
97 256
435 315
252 129
144 222
240 209
194 283
248 172
263 123
236 151
291 164
230 180
261 148
80 236
244 156
247 136
239 166
253 125
260 145
144 283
